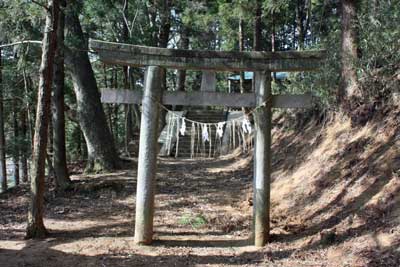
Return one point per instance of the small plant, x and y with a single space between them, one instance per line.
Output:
194 220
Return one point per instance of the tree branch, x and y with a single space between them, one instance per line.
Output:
41 5
21 42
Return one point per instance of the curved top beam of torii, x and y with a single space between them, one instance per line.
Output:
134 55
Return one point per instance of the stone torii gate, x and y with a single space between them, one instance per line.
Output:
262 63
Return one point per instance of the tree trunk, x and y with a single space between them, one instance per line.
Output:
108 107
78 135
349 87
294 30
184 44
181 74
135 108
165 25
62 180
116 132
241 49
273 38
303 16
49 157
17 146
163 37
36 228
102 154
300 17
28 89
257 34
257 27
128 114
116 108
273 32
300 24
3 166
127 108
25 123
25 149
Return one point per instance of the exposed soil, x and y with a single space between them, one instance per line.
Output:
335 202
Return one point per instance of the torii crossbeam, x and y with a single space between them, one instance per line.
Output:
262 63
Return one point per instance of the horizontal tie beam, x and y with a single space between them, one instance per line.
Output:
123 96
134 55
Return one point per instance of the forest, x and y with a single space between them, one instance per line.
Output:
200 133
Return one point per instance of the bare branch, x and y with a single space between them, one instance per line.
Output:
124 17
21 42
133 22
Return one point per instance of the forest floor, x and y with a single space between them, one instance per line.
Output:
335 202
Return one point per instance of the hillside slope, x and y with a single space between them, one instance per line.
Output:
336 187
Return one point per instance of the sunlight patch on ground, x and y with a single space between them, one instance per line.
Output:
83 225
234 165
16 245
96 246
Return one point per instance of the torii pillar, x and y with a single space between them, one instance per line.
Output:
147 162
262 158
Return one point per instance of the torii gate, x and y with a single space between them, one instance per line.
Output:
262 63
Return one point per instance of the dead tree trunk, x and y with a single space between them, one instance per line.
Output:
349 87
3 170
36 228
62 180
102 154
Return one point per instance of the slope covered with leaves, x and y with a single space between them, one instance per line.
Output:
336 188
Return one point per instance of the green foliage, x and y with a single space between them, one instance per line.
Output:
322 84
272 6
194 220
380 35
20 20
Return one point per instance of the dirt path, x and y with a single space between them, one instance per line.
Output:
203 218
